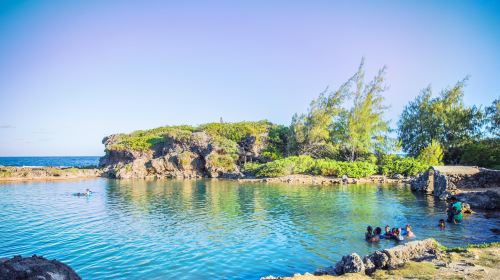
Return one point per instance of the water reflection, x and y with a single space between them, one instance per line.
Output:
213 229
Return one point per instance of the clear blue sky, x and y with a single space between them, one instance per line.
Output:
72 72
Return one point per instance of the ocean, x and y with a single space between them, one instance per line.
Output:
66 161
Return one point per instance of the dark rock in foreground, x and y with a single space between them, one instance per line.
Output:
35 268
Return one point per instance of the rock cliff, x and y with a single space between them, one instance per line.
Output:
212 150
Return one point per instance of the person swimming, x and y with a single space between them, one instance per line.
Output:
368 233
442 224
396 234
376 237
409 233
388 233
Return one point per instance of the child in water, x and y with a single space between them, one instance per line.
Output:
409 232
442 224
396 234
369 233
377 235
387 233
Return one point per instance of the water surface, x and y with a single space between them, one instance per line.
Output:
212 229
67 161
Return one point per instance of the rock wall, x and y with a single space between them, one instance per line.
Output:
476 186
385 259
35 267
196 157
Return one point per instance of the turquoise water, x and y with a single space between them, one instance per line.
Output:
80 161
211 229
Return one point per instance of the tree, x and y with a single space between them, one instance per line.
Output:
364 126
310 133
493 118
432 154
329 126
445 119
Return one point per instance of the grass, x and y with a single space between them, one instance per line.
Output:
5 173
470 246
411 270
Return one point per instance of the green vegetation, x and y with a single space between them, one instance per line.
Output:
392 164
344 132
470 246
330 130
410 270
432 154
5 173
143 140
485 153
308 165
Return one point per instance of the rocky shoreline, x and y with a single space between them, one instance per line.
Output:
425 259
13 173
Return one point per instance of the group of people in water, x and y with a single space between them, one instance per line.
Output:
454 212
396 233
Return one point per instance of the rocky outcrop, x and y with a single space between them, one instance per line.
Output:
392 258
35 268
479 187
199 155
46 173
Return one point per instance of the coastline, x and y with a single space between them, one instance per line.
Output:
14 173
425 259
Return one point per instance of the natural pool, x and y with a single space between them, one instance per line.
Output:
212 229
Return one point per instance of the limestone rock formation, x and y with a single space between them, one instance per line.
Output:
350 264
182 153
35 268
479 187
386 259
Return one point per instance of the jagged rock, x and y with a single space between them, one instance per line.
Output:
36 268
489 200
401 254
374 261
350 264
468 183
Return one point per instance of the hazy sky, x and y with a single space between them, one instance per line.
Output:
72 72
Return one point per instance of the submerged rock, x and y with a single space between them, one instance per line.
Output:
35 268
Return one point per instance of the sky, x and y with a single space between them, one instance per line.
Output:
72 72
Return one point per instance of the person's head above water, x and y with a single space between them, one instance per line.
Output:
387 229
453 199
408 227
378 230
442 223
369 229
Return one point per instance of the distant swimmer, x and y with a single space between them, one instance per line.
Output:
87 192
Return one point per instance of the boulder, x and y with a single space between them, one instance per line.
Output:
36 268
350 264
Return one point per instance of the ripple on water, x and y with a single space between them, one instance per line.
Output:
211 229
